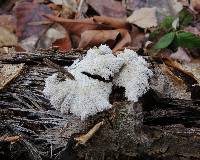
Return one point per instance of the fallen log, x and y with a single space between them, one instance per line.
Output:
164 124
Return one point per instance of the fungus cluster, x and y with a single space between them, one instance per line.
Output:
87 95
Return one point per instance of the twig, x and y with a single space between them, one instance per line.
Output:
59 68
84 138
42 34
80 5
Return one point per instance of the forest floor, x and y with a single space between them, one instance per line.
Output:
40 37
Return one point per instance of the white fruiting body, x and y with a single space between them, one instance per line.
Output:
133 76
86 96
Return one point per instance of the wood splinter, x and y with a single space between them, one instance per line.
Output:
11 139
84 138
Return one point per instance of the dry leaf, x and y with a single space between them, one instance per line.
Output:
8 22
180 55
57 31
164 7
144 17
9 72
124 41
113 22
95 37
29 43
7 38
168 72
8 41
195 4
63 44
175 7
182 75
194 68
72 4
63 11
177 66
110 8
76 26
137 36
134 4
27 12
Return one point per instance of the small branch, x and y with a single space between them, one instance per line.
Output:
59 68
80 5
84 138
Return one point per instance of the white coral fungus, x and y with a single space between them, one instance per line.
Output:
87 95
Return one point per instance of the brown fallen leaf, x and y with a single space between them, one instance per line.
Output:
62 10
124 41
194 68
134 4
8 73
71 4
7 38
63 44
27 12
55 31
8 41
195 5
167 71
8 22
137 36
177 66
91 38
110 8
180 55
174 6
113 22
164 7
144 17
77 26
99 29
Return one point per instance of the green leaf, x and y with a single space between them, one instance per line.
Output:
187 40
165 41
185 17
167 22
154 34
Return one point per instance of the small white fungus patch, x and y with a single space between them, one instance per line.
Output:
86 96
134 75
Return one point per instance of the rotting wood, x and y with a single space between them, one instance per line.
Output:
38 56
158 127
8 73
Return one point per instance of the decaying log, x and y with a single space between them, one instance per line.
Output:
159 126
